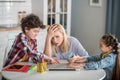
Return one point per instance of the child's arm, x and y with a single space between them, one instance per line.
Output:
52 60
102 63
94 58
33 53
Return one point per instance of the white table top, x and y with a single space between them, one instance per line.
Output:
56 75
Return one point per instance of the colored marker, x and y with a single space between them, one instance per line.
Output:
70 55
32 68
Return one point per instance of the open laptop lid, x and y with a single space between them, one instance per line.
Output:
61 67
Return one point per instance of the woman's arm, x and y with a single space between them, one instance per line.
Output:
77 47
47 48
50 34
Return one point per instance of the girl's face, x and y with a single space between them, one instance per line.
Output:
57 38
105 48
32 33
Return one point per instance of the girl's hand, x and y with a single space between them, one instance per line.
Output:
80 60
75 65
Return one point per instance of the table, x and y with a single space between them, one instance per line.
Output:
57 75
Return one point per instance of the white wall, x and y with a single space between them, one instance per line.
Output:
9 11
88 24
38 8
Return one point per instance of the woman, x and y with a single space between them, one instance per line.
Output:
60 46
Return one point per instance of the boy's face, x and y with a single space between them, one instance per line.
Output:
32 33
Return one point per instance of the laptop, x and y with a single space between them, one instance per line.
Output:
61 67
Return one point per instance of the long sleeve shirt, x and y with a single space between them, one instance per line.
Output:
97 62
75 47
22 49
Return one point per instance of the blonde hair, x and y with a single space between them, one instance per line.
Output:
64 46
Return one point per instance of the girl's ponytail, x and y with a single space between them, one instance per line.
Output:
116 70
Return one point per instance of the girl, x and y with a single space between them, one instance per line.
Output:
109 58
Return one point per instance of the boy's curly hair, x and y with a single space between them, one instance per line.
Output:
31 21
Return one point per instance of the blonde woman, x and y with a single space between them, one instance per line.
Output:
60 46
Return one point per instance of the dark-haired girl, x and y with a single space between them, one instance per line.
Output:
107 60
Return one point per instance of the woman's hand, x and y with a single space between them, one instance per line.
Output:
73 59
48 45
50 31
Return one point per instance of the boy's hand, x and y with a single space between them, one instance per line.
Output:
54 61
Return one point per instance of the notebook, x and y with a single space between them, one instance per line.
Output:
61 67
17 68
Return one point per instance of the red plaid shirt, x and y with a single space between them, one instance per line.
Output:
22 46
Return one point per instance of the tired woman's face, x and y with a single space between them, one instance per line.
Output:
57 38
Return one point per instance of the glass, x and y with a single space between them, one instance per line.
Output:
51 5
41 67
9 12
63 20
63 5
51 19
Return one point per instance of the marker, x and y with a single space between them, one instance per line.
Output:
42 59
70 55
32 68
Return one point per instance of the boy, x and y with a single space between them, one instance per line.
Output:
24 47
